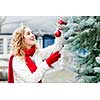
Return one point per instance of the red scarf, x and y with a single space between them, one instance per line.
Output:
30 64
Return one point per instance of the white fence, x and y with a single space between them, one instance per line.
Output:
4 46
4 50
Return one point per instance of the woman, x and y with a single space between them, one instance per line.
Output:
28 63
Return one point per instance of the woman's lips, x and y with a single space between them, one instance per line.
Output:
32 39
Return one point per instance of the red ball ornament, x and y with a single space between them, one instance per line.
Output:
57 33
61 22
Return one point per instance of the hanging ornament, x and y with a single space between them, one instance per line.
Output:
57 33
83 53
61 22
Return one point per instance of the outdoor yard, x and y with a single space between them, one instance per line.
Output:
61 76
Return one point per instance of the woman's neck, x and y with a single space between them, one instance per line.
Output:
28 47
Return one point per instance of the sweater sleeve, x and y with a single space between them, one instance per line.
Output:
57 46
24 74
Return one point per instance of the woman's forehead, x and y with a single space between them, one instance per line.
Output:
27 29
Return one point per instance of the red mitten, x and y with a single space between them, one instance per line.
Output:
53 58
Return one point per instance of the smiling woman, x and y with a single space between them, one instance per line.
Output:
28 63
29 38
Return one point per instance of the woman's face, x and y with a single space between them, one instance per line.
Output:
29 38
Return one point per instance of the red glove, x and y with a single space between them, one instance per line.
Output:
53 58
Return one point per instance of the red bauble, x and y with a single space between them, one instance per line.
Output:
57 33
61 22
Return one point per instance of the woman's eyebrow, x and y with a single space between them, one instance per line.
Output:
29 31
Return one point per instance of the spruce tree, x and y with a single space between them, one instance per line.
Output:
82 34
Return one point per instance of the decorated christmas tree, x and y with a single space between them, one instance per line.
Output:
82 34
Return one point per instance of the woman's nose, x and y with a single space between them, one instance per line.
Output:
33 36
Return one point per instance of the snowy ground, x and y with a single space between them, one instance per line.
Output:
62 73
60 76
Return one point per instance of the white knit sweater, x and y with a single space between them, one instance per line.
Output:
21 71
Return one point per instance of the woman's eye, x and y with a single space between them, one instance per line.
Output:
28 33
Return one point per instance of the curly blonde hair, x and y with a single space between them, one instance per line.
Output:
18 41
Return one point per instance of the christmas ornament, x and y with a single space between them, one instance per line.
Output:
61 22
57 33
83 53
